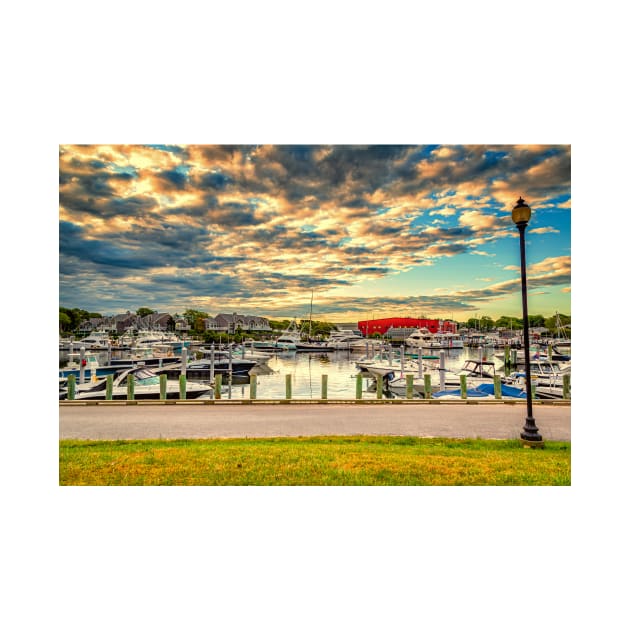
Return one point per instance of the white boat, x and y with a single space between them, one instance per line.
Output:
547 377
345 339
146 386
290 337
476 372
96 340
422 338
449 340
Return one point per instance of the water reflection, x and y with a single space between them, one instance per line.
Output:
306 370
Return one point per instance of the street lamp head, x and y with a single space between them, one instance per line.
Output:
521 212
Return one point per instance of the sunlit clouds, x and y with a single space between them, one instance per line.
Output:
256 229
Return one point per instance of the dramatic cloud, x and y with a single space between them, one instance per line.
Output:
257 228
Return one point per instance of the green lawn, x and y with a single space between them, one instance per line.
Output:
322 461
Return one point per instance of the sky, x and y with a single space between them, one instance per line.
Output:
366 231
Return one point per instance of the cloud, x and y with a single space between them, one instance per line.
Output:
264 223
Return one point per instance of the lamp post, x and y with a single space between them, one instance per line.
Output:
530 436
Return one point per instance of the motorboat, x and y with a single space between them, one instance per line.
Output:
91 366
548 378
422 338
483 390
203 369
476 372
96 340
290 337
146 385
448 341
345 339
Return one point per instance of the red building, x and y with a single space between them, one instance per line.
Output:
381 326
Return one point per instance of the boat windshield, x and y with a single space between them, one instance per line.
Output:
146 377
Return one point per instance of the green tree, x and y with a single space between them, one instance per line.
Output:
65 322
279 325
144 311
509 322
536 320
192 315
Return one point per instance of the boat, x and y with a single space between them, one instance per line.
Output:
547 378
204 369
91 366
449 340
96 340
422 338
290 337
313 346
483 390
155 355
476 371
345 339
146 386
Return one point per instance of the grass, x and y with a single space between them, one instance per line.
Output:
321 461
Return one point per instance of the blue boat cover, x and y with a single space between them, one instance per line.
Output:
485 390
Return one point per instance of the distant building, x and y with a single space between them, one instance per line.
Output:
247 323
182 325
381 326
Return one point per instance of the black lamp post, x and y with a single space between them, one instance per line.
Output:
530 436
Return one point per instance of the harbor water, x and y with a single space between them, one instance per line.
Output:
307 368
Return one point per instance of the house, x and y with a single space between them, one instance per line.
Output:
211 324
247 323
182 325
154 321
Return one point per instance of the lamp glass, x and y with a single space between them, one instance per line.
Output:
521 213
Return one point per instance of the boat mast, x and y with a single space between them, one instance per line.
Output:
310 318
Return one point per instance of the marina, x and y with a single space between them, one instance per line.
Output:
365 369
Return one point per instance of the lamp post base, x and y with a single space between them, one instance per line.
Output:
530 436
532 443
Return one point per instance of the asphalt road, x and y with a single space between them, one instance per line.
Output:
501 421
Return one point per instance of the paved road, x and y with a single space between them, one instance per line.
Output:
501 421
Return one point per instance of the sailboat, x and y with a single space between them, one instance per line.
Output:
312 346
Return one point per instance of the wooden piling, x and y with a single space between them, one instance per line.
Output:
72 386
359 387
427 385
109 386
566 386
131 385
379 386
497 387
217 386
182 387
463 386
324 386
409 384
253 386
287 381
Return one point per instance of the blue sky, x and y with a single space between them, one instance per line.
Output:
372 231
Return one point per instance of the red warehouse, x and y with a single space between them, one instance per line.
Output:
381 326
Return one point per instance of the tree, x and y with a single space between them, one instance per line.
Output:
144 311
513 323
65 322
192 315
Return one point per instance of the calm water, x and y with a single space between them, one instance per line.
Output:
306 370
